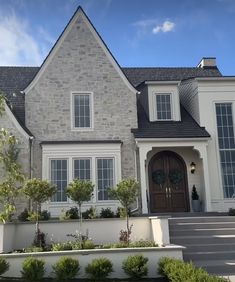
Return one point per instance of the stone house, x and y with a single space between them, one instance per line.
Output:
82 115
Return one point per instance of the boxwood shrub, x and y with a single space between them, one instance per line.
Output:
177 270
66 268
33 269
135 266
99 268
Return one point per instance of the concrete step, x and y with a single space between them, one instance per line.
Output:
197 225
219 267
205 256
201 219
208 247
202 232
193 240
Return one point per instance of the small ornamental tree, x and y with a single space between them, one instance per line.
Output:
126 192
39 191
80 191
12 174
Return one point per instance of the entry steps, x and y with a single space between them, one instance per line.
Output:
209 242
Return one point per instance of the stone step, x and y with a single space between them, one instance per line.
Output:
201 219
202 232
208 247
197 225
205 256
218 267
193 240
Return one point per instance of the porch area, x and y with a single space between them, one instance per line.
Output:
168 170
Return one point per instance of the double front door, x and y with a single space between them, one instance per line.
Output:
168 189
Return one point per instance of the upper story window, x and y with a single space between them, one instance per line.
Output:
82 111
163 107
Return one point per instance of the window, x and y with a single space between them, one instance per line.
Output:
225 128
59 177
105 177
82 169
163 106
82 111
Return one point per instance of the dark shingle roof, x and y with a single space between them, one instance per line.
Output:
186 128
13 80
139 75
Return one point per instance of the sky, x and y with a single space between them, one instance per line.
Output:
139 33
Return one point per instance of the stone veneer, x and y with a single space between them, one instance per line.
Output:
80 64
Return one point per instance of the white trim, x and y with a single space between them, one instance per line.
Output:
64 34
80 151
171 140
171 105
91 102
15 122
165 82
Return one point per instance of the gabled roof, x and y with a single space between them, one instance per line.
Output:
80 13
186 128
13 81
140 74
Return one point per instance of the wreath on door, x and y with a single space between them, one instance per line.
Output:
159 176
175 176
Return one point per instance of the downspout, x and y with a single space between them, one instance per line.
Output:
136 177
30 166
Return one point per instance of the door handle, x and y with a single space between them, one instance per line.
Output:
167 192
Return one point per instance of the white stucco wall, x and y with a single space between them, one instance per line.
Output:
209 93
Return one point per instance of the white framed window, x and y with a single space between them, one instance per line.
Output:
82 110
99 163
82 168
163 106
226 143
105 177
59 177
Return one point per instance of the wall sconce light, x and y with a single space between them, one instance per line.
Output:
192 167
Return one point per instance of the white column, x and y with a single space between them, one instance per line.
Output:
203 155
143 150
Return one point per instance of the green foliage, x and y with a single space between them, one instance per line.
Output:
23 216
66 268
90 213
62 246
86 244
107 213
177 270
80 191
33 269
4 266
195 195
13 173
72 213
99 268
134 244
231 212
46 215
39 191
135 266
33 249
126 192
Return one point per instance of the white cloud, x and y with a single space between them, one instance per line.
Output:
167 26
17 46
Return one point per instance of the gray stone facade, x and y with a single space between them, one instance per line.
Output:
80 64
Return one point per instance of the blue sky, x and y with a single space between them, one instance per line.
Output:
138 32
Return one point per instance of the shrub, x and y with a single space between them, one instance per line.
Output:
23 216
33 249
143 244
135 266
33 269
86 244
72 213
231 212
99 268
66 268
177 270
107 213
90 213
4 266
62 246
46 215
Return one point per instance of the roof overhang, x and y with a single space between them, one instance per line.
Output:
217 79
165 82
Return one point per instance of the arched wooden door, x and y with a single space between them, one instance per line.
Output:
168 189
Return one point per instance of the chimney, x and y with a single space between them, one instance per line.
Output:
207 63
